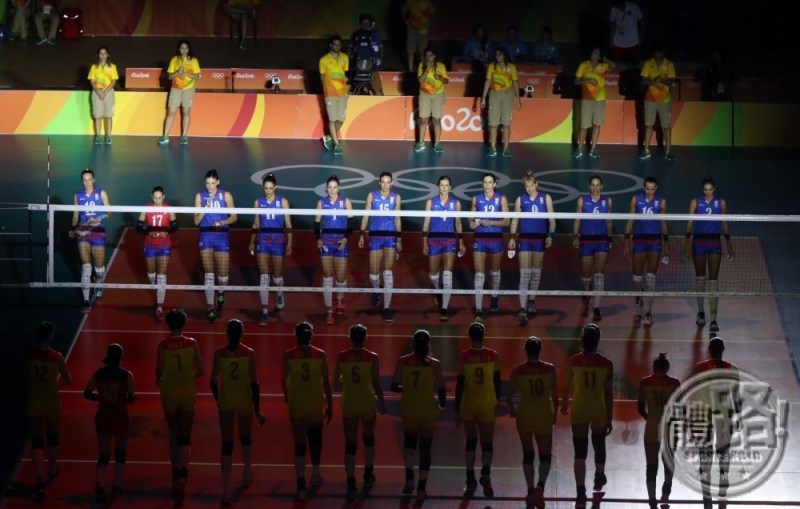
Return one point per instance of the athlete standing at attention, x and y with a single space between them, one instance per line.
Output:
178 365
214 241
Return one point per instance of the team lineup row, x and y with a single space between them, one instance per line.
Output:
531 395
646 241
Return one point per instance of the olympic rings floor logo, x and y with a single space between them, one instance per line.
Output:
419 184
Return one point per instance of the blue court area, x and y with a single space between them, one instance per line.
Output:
754 181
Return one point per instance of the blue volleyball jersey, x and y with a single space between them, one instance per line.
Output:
489 204
94 198
215 201
594 227
337 224
271 222
536 205
647 207
383 223
442 226
709 228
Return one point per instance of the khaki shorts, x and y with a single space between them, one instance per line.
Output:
415 41
183 97
103 108
501 107
664 111
336 108
431 105
592 113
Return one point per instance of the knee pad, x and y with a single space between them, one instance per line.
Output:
487 447
184 442
120 456
37 443
471 445
581 445
599 445
53 439
425 453
246 440
227 448
410 442
527 457
369 441
651 472
545 458
300 450
350 449
104 459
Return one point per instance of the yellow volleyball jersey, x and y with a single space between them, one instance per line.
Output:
304 377
234 375
355 367
179 368
479 367
535 385
41 374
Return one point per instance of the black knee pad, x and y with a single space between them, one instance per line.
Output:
369 441
471 445
53 439
425 453
104 459
184 442
300 450
246 440
37 443
581 445
487 447
315 444
227 448
120 456
410 441
545 458
651 472
350 449
599 445
527 457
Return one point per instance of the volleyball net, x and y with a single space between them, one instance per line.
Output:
763 263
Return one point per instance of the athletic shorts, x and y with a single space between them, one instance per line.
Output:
431 105
664 111
590 248
183 97
501 107
94 239
330 247
379 242
647 246
178 398
529 420
48 410
240 408
594 415
441 245
307 410
336 108
413 420
103 108
592 113
272 247
366 412
488 246
480 413
111 423
536 246
706 247
218 241
156 251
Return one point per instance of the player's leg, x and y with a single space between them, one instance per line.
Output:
389 255
479 262
226 457
277 280
486 436
222 264
246 439
448 259
580 442
471 444
699 261
375 260
368 437
350 448
207 260
600 261
425 458
299 432
263 260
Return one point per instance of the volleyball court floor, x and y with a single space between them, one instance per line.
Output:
752 327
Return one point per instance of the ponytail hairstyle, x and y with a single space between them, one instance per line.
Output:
234 330
422 343
661 364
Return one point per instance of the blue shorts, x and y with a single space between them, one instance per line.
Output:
378 242
646 246
537 246
705 247
488 246
94 239
218 241
590 248
155 252
441 245
330 245
273 245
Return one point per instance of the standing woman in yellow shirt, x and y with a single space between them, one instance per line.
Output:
103 76
42 369
236 391
183 71
502 86
358 375
432 77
